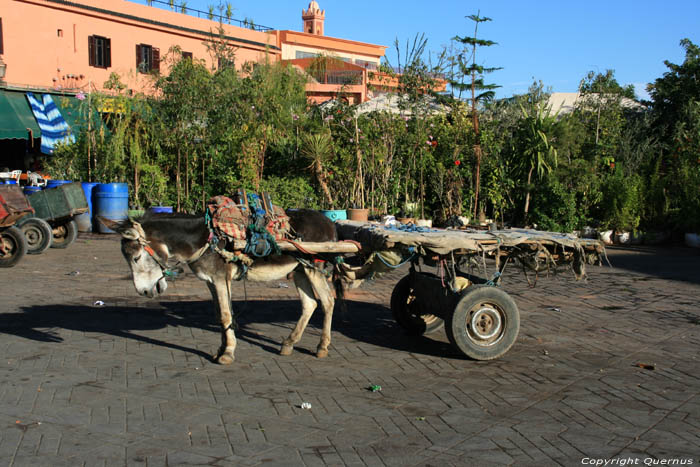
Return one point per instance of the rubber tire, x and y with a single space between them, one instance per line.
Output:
64 235
458 329
38 234
401 310
19 246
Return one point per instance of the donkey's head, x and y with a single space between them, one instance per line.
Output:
146 257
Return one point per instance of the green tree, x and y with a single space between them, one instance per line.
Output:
480 91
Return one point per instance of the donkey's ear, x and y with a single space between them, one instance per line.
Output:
125 228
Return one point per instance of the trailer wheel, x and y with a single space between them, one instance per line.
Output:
38 234
485 323
64 235
408 315
13 246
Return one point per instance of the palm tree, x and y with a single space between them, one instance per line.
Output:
538 153
318 149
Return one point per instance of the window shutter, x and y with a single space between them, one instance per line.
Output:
138 57
91 50
108 53
155 62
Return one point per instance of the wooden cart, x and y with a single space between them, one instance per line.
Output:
58 207
480 319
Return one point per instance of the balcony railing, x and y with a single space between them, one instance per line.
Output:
210 15
341 78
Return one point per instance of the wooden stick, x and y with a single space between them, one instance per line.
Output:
309 247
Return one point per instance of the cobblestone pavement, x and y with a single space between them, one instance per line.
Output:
602 370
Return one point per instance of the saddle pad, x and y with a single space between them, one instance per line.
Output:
232 220
227 218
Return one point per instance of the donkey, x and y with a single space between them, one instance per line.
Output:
150 242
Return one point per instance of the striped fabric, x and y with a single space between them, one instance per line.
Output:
54 128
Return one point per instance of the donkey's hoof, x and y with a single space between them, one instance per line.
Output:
225 359
286 349
321 353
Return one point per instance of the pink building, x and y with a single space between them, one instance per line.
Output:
68 47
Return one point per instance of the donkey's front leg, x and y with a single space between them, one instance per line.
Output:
222 302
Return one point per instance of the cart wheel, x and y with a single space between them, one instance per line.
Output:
64 235
12 247
38 233
407 314
484 324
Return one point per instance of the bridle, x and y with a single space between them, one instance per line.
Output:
140 236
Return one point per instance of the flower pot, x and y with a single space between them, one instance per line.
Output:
335 214
358 214
606 237
622 238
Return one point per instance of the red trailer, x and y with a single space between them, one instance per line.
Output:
13 206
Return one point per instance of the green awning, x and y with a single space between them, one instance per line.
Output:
16 118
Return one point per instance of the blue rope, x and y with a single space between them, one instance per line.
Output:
408 228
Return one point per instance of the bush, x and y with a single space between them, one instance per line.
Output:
554 207
291 192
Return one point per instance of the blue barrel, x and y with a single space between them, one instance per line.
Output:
336 214
54 183
29 189
84 221
111 201
161 209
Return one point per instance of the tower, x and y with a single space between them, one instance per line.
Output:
313 19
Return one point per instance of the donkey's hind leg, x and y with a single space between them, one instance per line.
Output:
308 305
324 294
222 302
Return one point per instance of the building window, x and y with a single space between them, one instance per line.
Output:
187 55
300 54
100 51
366 64
2 48
147 58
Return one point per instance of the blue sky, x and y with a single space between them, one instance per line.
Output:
556 42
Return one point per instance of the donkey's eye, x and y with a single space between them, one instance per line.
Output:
137 258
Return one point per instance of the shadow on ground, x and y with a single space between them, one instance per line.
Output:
679 264
365 322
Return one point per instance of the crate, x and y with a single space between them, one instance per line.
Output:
59 203
13 205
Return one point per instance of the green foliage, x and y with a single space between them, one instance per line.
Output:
621 204
291 192
207 132
555 207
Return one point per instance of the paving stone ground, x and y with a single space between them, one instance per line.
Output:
132 383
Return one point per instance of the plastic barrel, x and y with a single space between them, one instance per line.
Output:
54 183
29 189
85 220
111 201
161 209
